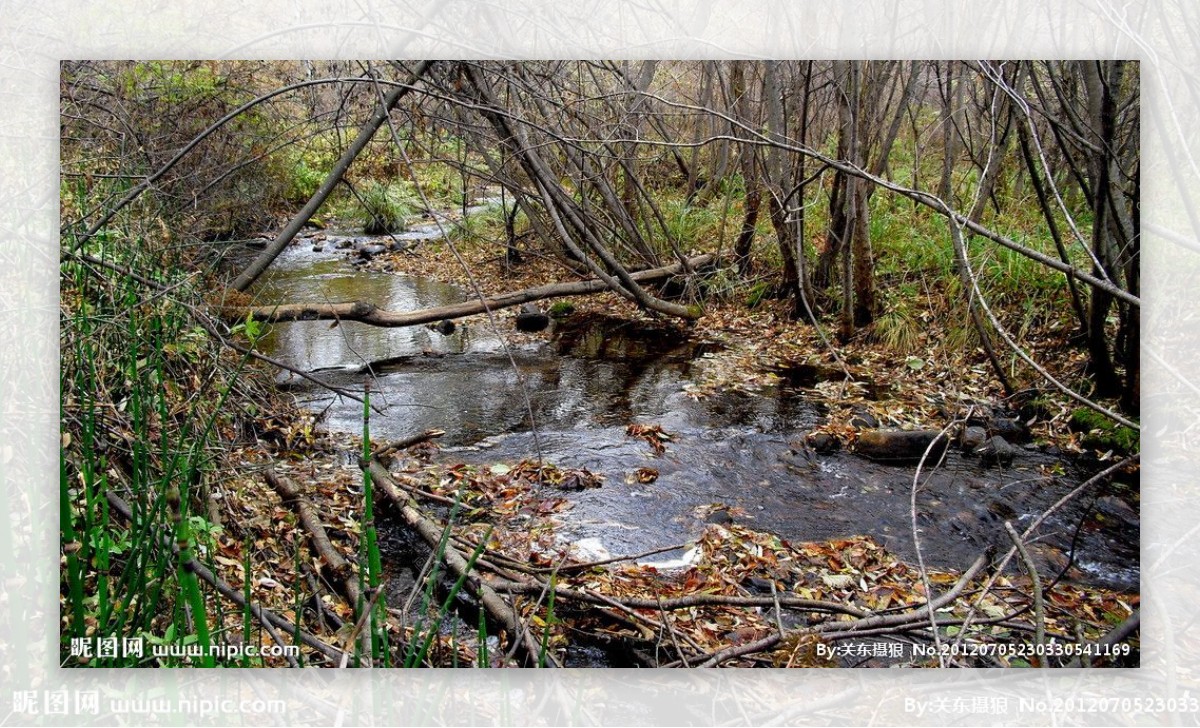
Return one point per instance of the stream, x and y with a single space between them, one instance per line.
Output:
589 379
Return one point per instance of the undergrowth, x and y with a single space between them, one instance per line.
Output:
147 398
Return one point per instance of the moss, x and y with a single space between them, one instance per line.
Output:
1101 433
562 309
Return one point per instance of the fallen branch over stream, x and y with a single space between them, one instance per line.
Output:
369 313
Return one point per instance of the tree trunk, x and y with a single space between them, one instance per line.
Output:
863 259
746 157
779 181
805 302
946 191
1102 113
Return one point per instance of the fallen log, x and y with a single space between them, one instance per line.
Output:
340 568
499 609
369 313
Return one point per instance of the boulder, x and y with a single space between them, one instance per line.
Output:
901 445
996 451
971 438
530 319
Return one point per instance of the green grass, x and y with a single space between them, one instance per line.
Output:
380 655
142 395
684 226
483 226
386 207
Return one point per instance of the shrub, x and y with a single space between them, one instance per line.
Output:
386 207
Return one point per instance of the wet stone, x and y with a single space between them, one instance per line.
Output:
996 451
901 445
367 251
720 518
1116 508
1012 430
759 585
823 442
863 419
971 438
531 319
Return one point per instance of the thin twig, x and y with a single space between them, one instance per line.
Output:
1039 612
368 609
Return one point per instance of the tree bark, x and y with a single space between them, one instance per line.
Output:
746 157
1102 113
338 565
778 180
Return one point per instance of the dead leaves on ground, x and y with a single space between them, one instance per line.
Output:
645 476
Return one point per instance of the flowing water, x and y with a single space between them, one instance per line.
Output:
582 385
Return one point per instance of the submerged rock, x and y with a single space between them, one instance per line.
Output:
996 451
368 251
971 438
445 327
901 445
823 442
